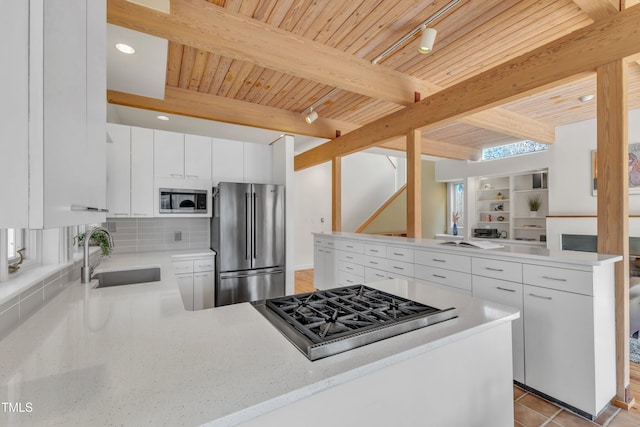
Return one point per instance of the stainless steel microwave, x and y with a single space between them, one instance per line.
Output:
179 200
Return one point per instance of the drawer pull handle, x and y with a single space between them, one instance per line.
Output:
349 257
373 262
398 254
554 278
505 289
379 275
539 296
350 247
349 281
439 276
398 268
374 250
493 269
349 268
438 260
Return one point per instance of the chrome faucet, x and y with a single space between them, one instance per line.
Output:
86 270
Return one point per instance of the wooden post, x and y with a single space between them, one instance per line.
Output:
613 205
336 194
414 184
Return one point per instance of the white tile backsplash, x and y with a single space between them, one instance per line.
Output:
158 234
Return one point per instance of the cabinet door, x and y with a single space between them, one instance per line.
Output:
197 157
185 284
14 110
141 172
203 290
319 266
227 161
168 154
330 268
559 347
258 164
118 170
507 293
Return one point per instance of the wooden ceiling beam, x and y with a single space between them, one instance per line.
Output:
211 28
430 147
557 62
210 107
598 9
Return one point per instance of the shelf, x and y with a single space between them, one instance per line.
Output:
493 222
530 190
494 189
529 217
493 200
529 228
493 212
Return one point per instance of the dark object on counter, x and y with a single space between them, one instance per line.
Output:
247 232
486 233
324 323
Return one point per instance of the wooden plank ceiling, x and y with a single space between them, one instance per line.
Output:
473 37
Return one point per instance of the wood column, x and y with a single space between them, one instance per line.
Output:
613 204
336 194
414 184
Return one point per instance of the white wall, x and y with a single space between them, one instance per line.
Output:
368 180
312 195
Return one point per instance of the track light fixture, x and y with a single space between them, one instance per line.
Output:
312 116
427 40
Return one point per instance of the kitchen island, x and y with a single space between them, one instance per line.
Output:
132 355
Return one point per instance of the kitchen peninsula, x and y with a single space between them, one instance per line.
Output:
132 355
566 298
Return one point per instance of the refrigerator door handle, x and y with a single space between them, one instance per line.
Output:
253 229
247 222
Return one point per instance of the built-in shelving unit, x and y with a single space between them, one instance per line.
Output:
502 203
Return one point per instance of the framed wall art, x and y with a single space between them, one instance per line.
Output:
634 170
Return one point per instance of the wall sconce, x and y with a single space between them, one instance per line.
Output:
427 40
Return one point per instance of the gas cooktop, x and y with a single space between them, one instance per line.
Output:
324 323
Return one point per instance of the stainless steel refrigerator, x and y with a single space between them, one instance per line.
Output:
247 232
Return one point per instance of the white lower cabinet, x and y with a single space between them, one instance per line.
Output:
196 281
510 294
324 268
559 346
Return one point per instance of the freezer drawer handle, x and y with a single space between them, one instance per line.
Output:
250 275
505 289
539 296
493 269
554 278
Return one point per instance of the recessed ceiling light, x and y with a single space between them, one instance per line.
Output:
585 98
125 48
163 118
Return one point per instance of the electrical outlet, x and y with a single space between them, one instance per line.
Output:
177 236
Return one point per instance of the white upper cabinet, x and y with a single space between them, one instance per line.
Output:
258 164
118 170
14 113
197 157
55 129
227 161
168 154
142 172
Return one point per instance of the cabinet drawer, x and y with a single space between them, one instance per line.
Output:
399 267
350 246
375 250
348 279
351 257
443 260
580 282
400 254
324 242
180 267
374 275
500 291
205 264
454 279
503 270
350 267
375 262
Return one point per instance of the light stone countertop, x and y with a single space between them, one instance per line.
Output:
132 355
517 252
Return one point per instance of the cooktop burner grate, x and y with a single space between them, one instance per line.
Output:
327 322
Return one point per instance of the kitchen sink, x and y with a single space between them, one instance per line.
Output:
127 277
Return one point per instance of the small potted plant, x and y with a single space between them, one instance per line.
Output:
499 196
534 203
98 239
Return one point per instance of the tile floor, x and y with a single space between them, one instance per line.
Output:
530 410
